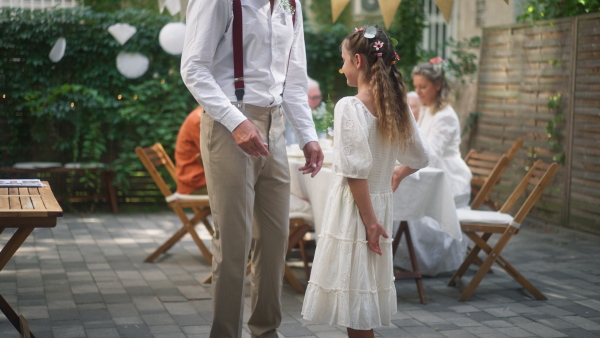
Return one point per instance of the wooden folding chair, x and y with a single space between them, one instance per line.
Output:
486 167
488 223
153 157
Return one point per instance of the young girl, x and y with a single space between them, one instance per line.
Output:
352 280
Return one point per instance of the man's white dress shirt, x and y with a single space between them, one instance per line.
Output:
269 40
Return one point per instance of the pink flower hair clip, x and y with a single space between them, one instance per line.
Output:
438 63
436 60
360 29
378 45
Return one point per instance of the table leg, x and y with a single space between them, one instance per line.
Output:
13 317
416 273
13 244
111 191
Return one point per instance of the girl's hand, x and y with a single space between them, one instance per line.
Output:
400 172
396 179
373 233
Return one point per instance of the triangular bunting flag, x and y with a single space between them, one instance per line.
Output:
445 7
388 10
337 6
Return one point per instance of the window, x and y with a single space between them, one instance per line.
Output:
437 31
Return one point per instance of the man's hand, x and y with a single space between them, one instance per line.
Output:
248 138
373 233
313 156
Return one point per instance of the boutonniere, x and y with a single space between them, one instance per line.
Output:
287 7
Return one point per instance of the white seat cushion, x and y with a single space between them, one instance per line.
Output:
481 216
300 208
182 197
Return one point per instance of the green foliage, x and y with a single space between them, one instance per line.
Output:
323 116
152 112
554 129
82 109
536 10
323 57
470 122
407 28
463 66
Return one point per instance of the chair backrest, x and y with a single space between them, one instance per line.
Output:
481 163
514 149
481 166
539 176
153 157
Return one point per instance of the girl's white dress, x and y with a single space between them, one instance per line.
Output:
436 251
350 285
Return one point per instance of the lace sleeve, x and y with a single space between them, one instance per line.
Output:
352 155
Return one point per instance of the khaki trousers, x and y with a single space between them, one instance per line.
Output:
249 200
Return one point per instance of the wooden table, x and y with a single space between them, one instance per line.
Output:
60 179
24 209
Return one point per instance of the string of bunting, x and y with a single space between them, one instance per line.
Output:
389 8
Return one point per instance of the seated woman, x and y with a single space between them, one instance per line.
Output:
436 251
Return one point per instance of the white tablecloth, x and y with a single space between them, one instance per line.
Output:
425 193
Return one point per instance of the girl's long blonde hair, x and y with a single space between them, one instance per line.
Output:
388 90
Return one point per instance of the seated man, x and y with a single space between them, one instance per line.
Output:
190 173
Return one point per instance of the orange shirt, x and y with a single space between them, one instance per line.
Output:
190 173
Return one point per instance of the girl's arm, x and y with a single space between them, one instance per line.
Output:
400 172
362 198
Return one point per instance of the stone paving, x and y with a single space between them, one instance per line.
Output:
86 278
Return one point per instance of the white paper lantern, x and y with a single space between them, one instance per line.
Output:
122 32
171 37
132 65
58 50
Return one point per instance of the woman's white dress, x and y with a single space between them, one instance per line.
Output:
437 252
350 285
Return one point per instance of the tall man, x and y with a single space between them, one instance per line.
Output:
243 147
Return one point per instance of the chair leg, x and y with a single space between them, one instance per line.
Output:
205 252
200 215
519 278
167 244
467 262
503 263
413 261
487 264
291 278
304 259
190 227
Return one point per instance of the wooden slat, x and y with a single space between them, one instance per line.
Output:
26 202
49 201
4 204
37 202
14 202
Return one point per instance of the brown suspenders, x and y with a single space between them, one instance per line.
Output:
238 48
